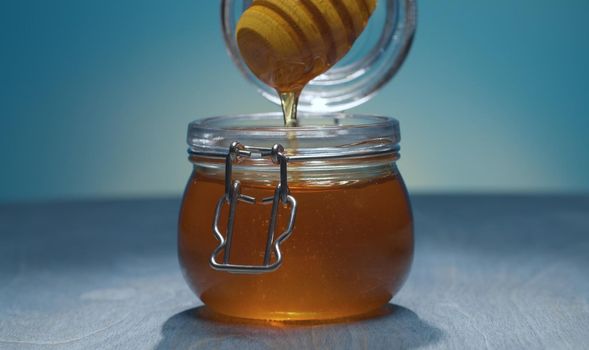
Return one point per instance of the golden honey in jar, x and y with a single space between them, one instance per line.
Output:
351 244
308 221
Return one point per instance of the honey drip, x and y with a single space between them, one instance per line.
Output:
286 43
289 102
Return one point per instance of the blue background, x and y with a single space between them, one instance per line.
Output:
95 96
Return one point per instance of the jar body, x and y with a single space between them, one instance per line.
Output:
349 253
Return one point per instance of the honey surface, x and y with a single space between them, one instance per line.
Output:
350 251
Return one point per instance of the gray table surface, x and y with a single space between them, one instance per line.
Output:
505 272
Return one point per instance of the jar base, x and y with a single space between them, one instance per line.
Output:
295 318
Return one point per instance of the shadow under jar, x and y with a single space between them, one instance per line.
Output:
351 245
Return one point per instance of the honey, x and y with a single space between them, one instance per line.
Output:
289 102
350 253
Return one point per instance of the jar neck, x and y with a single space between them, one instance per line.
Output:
311 173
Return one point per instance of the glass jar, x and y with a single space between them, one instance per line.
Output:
311 222
351 243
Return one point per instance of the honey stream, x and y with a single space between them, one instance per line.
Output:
289 102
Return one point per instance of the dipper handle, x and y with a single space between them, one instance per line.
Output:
287 43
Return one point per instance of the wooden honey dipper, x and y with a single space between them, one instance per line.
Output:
287 43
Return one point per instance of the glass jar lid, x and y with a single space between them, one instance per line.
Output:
317 137
373 60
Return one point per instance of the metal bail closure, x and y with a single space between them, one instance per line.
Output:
233 195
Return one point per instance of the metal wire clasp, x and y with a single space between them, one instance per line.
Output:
233 195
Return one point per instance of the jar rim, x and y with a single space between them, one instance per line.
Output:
318 136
